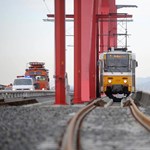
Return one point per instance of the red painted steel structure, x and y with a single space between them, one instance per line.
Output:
60 52
113 26
86 44
77 51
94 53
92 12
94 33
104 25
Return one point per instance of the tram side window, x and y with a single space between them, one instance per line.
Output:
105 66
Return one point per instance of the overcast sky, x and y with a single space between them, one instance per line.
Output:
24 37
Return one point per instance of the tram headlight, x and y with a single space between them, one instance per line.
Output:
125 81
109 80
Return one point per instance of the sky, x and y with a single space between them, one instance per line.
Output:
25 37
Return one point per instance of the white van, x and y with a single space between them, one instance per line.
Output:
23 84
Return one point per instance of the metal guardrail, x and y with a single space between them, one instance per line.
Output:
24 94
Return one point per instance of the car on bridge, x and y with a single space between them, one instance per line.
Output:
23 84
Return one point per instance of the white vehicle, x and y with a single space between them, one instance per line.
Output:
23 84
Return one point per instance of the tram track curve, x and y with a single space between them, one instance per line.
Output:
71 139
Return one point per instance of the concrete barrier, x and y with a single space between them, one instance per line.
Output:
142 97
137 96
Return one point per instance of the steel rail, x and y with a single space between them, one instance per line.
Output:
141 117
73 127
108 103
19 102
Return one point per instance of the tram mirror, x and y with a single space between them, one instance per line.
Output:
136 63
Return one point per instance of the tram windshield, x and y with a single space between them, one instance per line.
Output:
116 63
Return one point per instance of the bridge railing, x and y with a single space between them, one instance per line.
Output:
24 94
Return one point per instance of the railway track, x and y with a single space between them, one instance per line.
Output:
18 102
140 117
71 140
26 101
72 134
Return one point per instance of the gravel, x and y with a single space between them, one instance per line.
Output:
145 110
40 127
31 128
113 129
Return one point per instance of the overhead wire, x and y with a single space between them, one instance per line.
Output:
68 30
46 6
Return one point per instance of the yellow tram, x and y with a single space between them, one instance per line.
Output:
117 72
